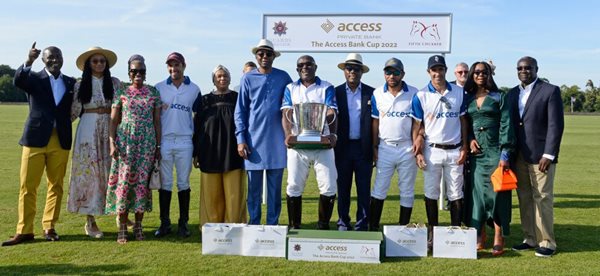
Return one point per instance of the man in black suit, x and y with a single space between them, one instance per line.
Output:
46 140
354 149
537 115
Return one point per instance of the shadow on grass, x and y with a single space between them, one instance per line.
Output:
63 269
148 236
354 199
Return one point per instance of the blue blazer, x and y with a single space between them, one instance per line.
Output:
540 129
43 111
343 127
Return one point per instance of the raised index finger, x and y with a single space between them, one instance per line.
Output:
33 46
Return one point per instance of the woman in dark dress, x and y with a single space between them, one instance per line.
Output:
491 142
222 186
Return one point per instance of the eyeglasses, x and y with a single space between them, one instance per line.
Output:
477 72
307 64
392 72
96 61
446 102
354 68
461 72
264 54
137 71
524 68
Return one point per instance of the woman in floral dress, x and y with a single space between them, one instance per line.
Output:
134 145
91 159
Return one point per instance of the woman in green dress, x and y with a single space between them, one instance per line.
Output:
491 142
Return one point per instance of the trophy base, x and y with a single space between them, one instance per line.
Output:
298 142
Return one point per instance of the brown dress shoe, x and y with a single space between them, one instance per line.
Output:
17 239
51 235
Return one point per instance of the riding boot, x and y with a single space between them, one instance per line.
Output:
325 211
184 213
431 208
164 200
456 208
375 209
294 206
405 213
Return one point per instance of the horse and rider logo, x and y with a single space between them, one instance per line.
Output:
426 32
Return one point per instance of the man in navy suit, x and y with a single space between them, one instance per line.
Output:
46 140
354 149
537 115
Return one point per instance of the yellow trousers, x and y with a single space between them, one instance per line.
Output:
53 158
223 197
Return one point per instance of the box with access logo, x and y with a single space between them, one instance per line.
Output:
334 246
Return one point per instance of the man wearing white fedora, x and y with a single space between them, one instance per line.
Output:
354 147
259 132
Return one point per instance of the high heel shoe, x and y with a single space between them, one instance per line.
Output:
89 225
498 248
138 231
122 235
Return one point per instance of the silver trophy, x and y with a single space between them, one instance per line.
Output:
308 120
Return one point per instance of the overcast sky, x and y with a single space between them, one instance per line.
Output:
563 36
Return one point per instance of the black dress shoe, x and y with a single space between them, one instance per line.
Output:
17 239
523 246
51 235
544 252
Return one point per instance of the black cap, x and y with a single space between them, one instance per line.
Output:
394 63
435 61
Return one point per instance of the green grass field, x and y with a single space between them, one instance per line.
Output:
577 227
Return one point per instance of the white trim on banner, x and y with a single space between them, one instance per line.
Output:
382 33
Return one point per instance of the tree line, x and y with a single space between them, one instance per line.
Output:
587 100
8 91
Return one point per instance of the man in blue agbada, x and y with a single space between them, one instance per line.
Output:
259 132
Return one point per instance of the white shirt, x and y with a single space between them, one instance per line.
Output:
58 86
394 113
176 113
524 93
441 121
318 92
354 109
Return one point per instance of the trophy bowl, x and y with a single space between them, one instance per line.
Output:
308 123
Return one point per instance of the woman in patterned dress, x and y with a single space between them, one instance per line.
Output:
134 145
91 159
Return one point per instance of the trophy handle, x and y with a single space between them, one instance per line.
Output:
285 114
334 117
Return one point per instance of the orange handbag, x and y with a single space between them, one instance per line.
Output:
504 180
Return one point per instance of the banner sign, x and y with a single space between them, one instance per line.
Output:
334 250
396 33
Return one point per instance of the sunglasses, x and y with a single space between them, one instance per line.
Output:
461 72
477 72
446 102
137 71
524 68
264 54
307 64
392 72
96 61
354 68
